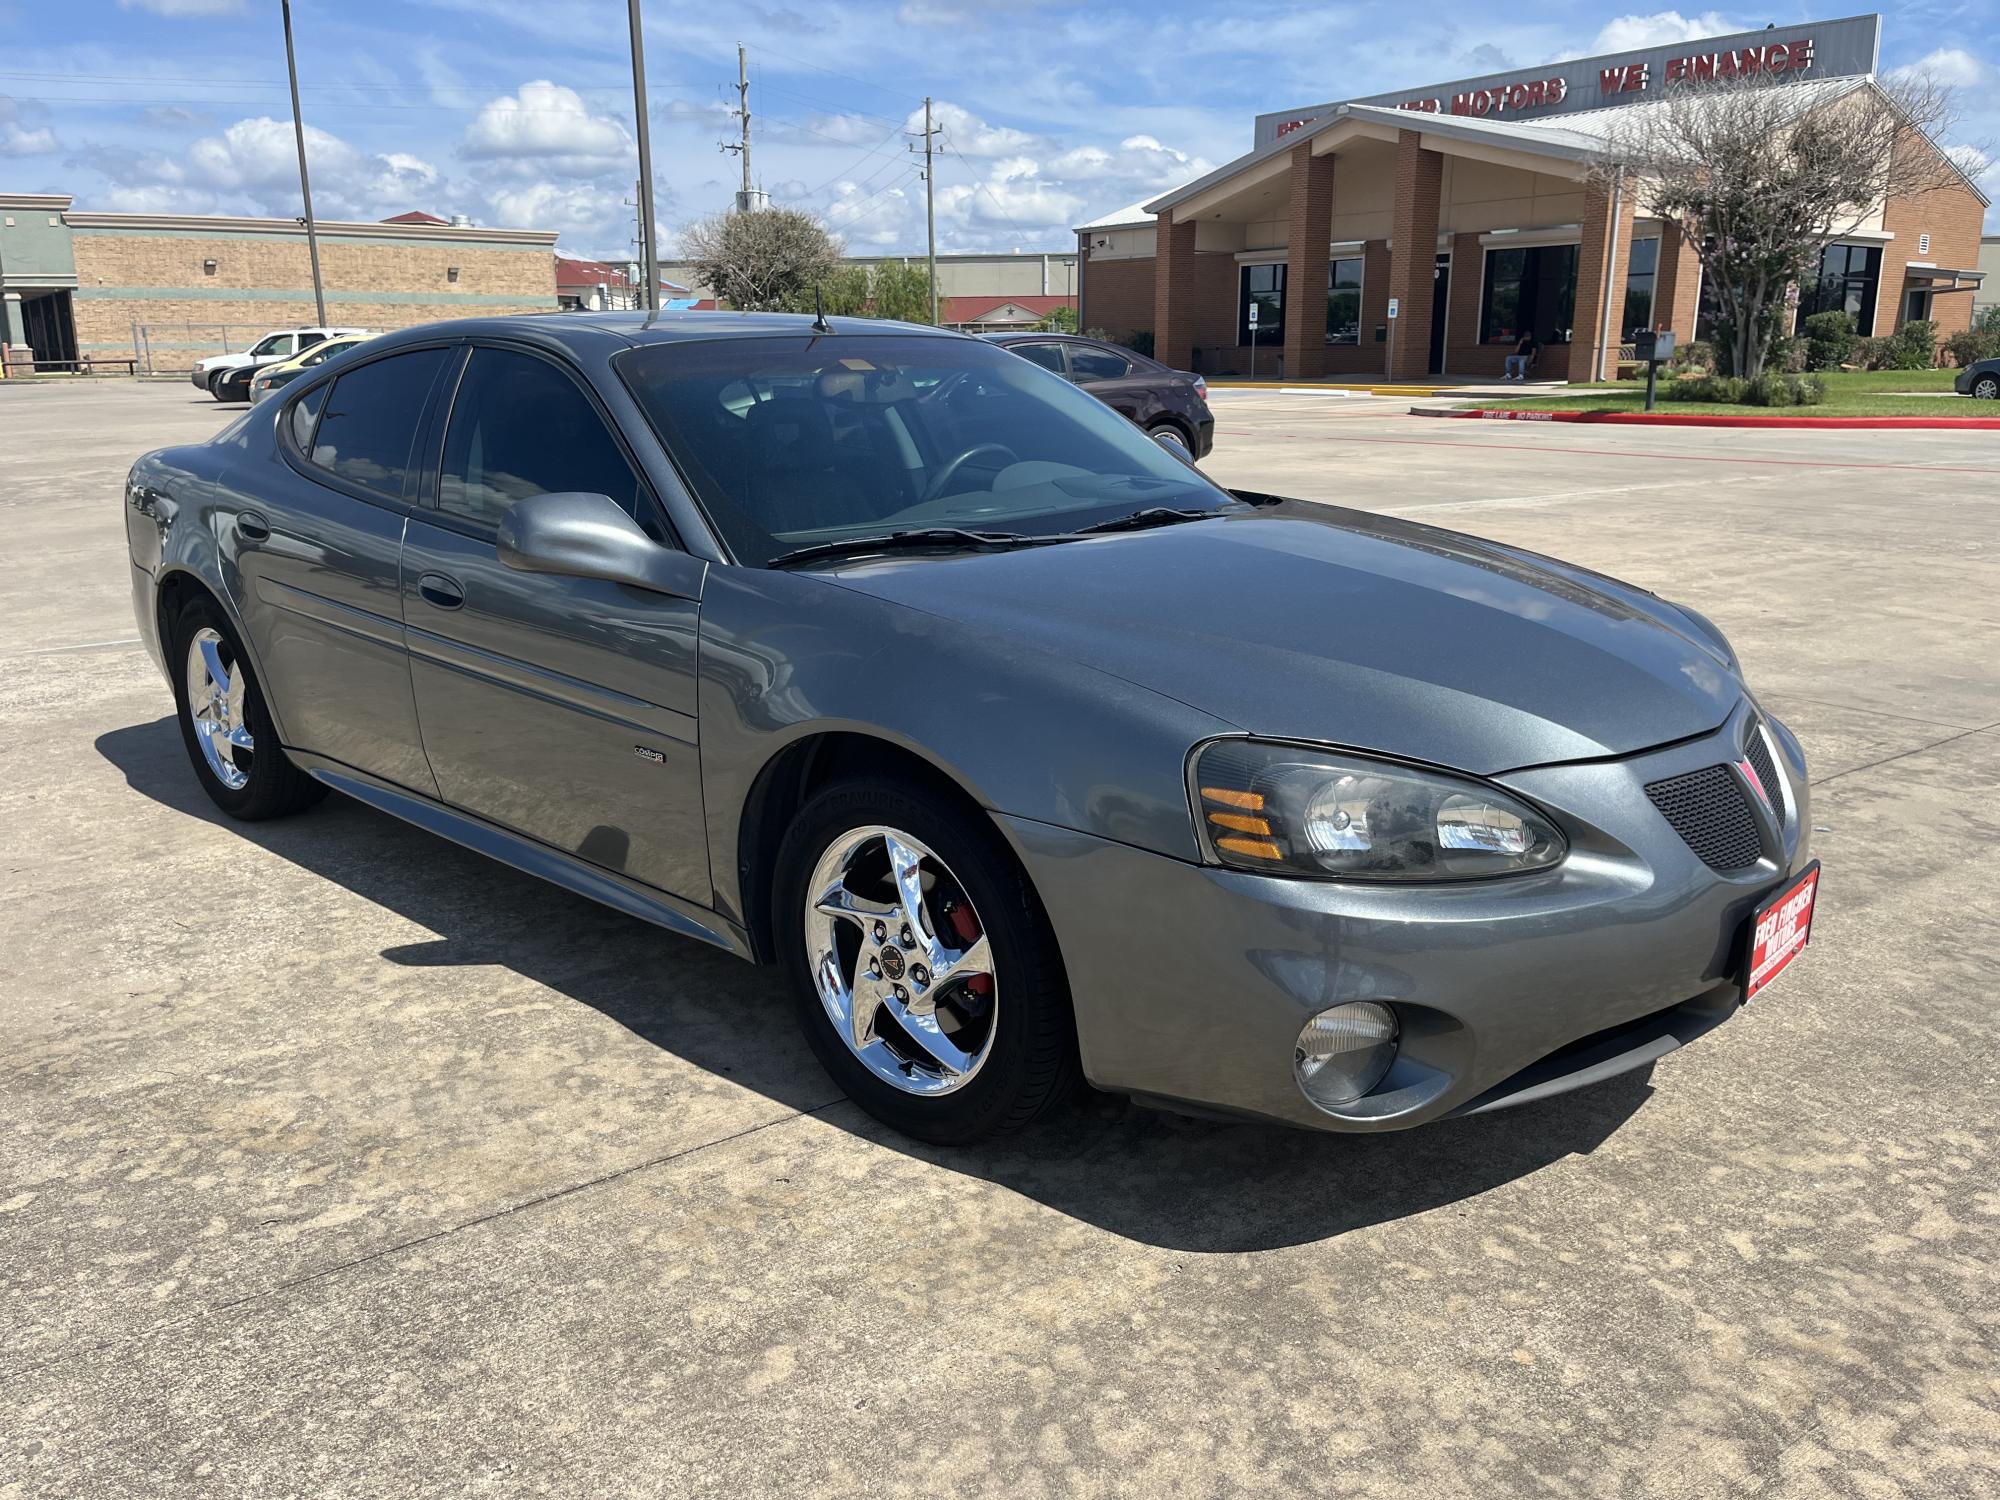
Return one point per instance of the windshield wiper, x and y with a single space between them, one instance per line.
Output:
926 537
1142 520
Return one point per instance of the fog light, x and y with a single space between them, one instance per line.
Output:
1344 1052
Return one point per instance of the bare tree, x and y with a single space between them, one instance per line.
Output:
1760 176
765 260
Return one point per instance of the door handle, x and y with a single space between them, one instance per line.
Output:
253 527
441 591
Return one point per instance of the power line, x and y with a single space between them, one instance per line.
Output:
980 185
835 73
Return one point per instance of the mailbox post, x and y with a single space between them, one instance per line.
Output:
1653 348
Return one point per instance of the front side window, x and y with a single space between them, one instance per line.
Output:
1089 363
277 343
788 442
1641 275
1048 356
370 423
1530 290
1263 287
1343 301
521 427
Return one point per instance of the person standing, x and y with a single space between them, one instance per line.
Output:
1523 357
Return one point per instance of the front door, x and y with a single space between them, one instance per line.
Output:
1440 308
560 708
1916 305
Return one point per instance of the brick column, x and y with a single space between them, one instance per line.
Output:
1310 231
1174 294
1600 262
1464 353
1677 288
1413 255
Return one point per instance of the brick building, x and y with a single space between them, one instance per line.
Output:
1442 222
172 288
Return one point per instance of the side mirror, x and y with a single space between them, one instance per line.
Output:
580 535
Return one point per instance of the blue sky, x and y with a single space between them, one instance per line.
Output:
519 111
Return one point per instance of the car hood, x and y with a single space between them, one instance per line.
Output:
1306 621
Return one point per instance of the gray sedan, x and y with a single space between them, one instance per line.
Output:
1029 754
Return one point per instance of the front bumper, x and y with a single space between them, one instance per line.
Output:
1191 983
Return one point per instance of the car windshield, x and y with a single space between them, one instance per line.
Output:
795 442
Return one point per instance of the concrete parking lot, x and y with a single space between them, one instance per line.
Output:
335 1161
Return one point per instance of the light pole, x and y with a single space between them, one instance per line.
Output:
648 247
305 180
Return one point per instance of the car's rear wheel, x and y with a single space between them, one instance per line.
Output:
225 725
923 967
1170 437
1987 388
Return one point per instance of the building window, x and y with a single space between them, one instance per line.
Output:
1532 290
1343 302
1848 277
451 274
1264 286
1641 277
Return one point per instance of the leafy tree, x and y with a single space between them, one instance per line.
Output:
1062 320
1762 176
764 260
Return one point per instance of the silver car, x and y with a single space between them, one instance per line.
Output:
1029 754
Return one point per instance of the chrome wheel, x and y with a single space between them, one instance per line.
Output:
1986 388
215 689
900 961
1170 439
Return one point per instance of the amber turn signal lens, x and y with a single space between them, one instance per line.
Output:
1254 848
1249 801
1241 823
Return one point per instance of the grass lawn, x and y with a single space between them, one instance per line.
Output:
1849 393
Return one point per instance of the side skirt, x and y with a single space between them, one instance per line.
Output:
531 857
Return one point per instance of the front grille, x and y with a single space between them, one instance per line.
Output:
1711 810
1759 756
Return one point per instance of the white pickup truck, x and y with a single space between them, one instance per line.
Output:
279 344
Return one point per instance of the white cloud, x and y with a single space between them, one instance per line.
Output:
1953 66
1973 162
969 135
551 127
17 139
1629 33
177 9
571 208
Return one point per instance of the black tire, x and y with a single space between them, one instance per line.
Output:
1169 434
275 787
1032 1066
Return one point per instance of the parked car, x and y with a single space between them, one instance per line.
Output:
1981 380
278 345
1024 750
271 378
1172 405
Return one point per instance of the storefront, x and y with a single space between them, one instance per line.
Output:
1443 223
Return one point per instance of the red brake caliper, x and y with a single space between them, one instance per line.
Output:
965 927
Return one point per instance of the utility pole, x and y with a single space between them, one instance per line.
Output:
649 248
930 204
305 181
746 199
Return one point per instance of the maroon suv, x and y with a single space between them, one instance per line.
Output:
1172 405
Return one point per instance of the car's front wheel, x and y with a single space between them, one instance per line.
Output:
230 739
1169 436
924 970
1987 388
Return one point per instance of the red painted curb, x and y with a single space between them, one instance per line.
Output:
1694 419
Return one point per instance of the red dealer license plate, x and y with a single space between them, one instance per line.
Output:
1779 930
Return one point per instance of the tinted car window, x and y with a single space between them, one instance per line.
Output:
1048 356
307 340
370 422
1092 363
791 441
304 415
520 427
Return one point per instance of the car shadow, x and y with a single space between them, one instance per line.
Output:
1165 1180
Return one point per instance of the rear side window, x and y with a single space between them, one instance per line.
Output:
1048 356
370 423
305 416
520 427
1091 363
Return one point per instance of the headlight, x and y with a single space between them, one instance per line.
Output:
1290 811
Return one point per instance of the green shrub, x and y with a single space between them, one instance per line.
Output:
1774 388
1141 342
1727 389
1970 345
1913 346
1870 354
1787 355
1695 354
1830 339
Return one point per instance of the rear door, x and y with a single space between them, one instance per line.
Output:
1112 377
320 536
560 708
1048 355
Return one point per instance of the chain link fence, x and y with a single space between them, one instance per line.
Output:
173 348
